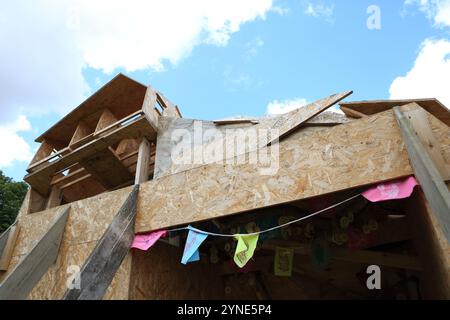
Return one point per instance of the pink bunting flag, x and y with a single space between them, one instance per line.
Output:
398 189
145 241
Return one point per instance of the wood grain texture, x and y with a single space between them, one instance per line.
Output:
106 258
300 116
158 274
370 107
20 281
358 153
7 244
426 173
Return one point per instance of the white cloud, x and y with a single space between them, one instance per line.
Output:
280 107
14 147
252 47
436 10
430 75
320 10
48 43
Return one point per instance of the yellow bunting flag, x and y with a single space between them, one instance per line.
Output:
283 262
245 248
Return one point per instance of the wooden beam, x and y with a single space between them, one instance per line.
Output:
81 132
45 149
136 128
297 118
106 119
7 244
353 113
55 197
371 107
104 261
22 279
418 118
148 107
434 188
142 168
106 168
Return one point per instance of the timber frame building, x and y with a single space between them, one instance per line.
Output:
105 172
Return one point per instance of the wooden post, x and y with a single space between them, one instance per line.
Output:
148 107
106 258
433 186
55 197
143 160
23 278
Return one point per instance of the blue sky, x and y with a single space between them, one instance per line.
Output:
213 62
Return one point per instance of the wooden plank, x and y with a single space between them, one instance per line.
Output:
419 121
121 95
7 250
107 118
234 121
298 117
21 280
55 197
148 107
353 113
106 168
355 154
371 107
81 132
432 246
143 162
45 149
436 192
102 264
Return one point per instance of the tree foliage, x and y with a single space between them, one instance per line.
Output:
11 197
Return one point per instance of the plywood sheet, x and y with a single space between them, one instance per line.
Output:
370 107
158 274
298 117
358 153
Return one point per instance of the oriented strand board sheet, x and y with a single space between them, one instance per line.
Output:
88 220
200 140
298 117
158 274
358 153
371 107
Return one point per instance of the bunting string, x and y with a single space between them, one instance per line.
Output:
270 229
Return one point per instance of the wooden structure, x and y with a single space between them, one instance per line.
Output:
108 170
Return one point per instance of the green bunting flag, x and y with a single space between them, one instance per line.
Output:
245 248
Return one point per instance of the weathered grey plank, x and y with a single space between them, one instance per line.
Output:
4 240
22 279
101 266
434 188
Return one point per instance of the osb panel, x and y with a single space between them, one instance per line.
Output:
442 134
358 153
32 228
158 274
53 284
88 220
119 287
